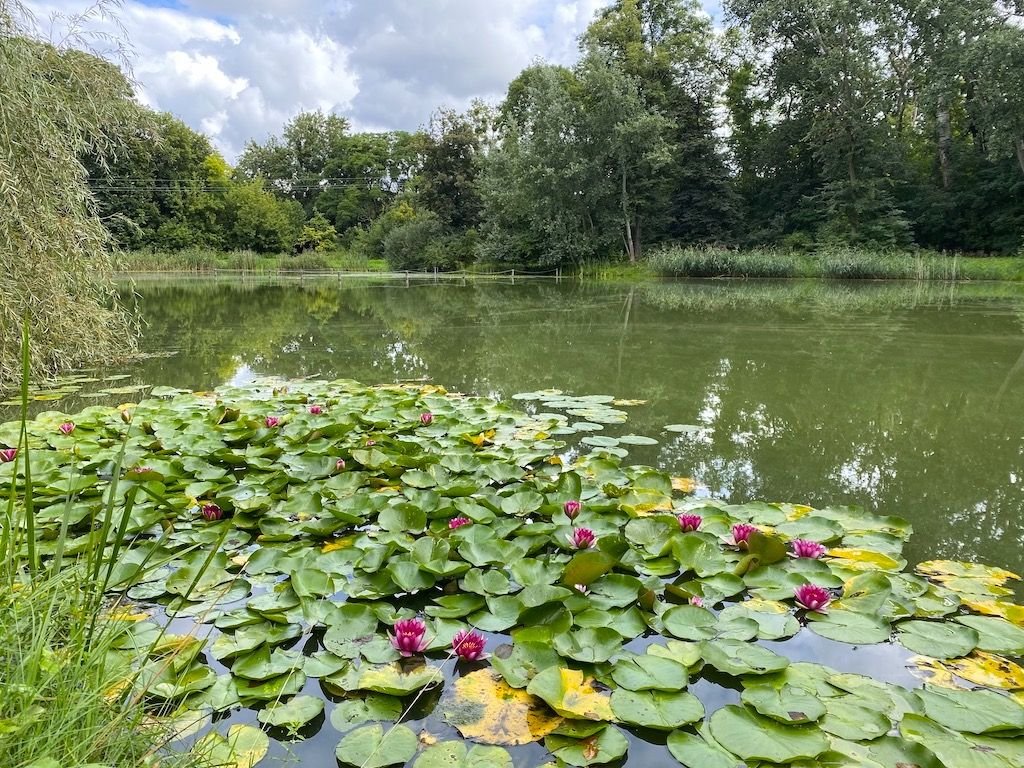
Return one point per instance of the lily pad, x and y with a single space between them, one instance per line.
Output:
374 747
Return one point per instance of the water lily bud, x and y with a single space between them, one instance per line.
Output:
572 509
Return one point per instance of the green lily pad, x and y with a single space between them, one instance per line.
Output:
606 745
374 747
976 712
753 737
659 710
293 714
940 640
789 704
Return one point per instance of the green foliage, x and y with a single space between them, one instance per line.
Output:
317 234
56 105
717 262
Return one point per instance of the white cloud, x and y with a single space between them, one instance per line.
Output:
238 69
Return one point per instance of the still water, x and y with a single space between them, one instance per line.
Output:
903 399
906 400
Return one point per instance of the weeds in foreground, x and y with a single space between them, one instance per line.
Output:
72 687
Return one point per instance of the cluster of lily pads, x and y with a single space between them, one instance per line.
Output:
407 547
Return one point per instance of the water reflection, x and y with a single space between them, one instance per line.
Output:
902 398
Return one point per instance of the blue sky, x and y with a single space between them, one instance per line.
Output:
238 69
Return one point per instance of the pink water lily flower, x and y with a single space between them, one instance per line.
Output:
469 645
741 534
572 509
272 421
689 523
212 512
67 427
316 410
409 637
339 465
8 454
582 538
806 548
457 522
426 419
812 597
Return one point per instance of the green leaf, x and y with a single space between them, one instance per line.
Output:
995 635
649 673
734 657
374 707
694 752
659 710
593 645
753 737
789 704
292 715
849 627
606 745
373 747
976 712
690 622
940 640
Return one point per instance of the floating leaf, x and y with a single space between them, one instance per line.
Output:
660 710
988 669
373 747
571 694
753 737
938 639
995 634
606 745
374 707
454 754
293 714
243 747
972 711
788 704
483 707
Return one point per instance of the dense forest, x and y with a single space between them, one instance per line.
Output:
800 124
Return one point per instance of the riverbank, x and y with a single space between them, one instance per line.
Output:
668 262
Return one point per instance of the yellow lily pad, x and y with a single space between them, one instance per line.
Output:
988 669
1009 611
571 694
684 484
942 570
865 559
485 708
244 746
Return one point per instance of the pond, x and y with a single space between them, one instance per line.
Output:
898 398
902 399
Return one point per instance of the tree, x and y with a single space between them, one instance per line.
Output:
294 165
667 48
446 180
57 104
156 190
578 159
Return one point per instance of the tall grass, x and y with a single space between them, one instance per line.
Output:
719 262
211 260
834 262
69 696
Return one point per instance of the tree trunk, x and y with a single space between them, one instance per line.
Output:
1020 152
637 250
945 143
630 243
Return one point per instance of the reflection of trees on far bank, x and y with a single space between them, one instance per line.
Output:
899 398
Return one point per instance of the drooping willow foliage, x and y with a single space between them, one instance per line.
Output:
57 102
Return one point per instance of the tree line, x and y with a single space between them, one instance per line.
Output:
800 124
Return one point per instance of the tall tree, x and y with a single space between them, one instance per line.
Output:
57 104
668 48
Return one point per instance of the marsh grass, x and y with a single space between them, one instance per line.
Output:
71 695
210 260
836 263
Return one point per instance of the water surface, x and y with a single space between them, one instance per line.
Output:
900 398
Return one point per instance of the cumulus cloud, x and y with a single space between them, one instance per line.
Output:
237 70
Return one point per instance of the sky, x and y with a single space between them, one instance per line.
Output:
240 69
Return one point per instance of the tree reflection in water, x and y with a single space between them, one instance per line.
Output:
902 398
